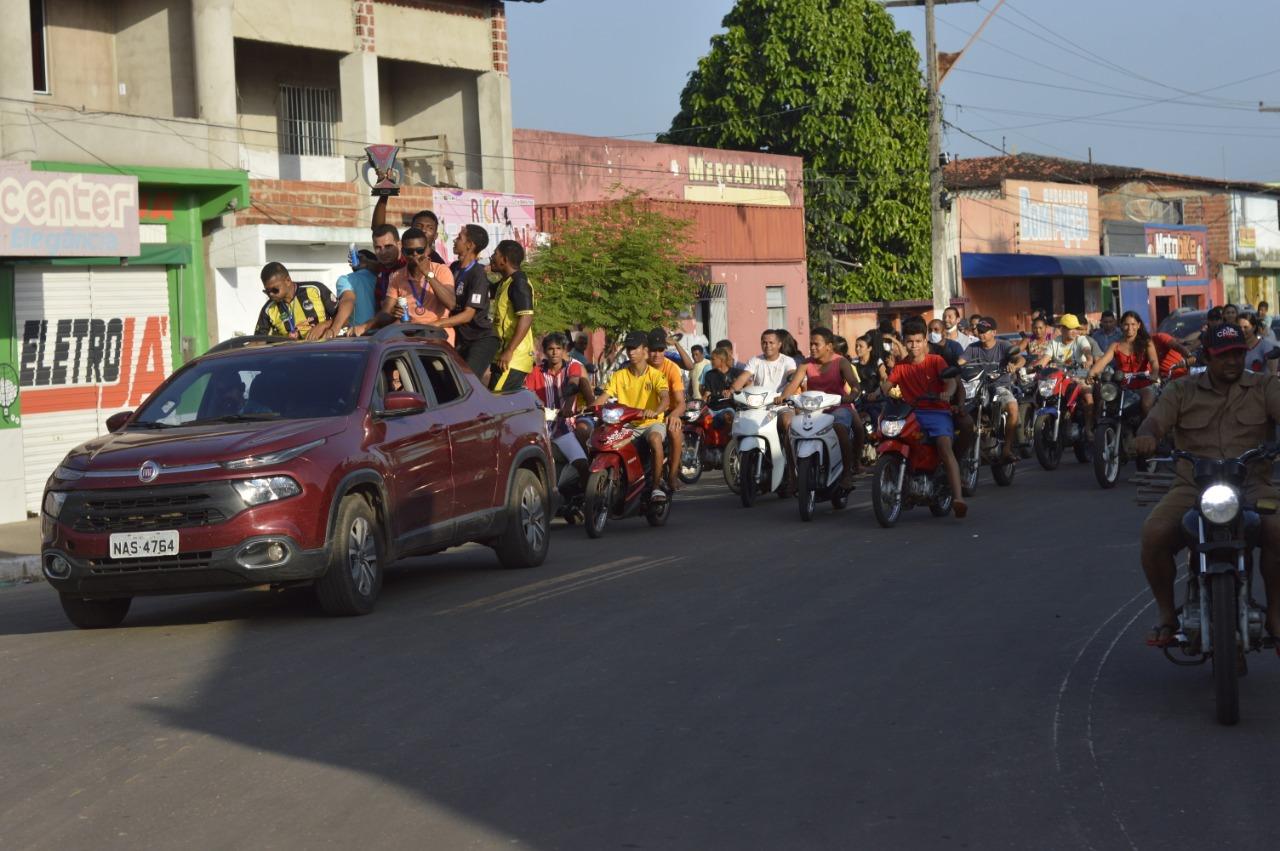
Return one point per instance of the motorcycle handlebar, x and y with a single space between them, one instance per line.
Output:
1258 452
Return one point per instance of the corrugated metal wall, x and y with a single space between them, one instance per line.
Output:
722 233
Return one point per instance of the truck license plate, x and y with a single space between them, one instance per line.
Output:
144 544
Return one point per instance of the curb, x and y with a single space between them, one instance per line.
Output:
20 569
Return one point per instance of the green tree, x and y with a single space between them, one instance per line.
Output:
619 265
835 82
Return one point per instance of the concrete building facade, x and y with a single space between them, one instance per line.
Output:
238 127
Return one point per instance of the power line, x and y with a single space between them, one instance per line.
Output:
1147 99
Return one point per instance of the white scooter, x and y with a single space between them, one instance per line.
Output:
814 445
756 445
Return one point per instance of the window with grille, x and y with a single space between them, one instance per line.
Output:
308 118
775 299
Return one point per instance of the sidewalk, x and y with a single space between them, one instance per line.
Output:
20 551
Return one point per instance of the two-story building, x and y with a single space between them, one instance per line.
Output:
154 154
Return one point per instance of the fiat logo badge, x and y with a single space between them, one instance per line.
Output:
148 471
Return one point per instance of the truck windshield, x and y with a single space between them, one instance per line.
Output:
266 385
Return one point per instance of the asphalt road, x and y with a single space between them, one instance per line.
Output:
736 680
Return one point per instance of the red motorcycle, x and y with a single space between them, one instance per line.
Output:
621 480
909 471
704 441
1060 418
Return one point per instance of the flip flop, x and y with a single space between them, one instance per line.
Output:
1163 635
960 509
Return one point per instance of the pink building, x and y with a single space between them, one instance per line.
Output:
748 210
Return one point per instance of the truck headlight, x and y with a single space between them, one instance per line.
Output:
53 502
1220 504
258 491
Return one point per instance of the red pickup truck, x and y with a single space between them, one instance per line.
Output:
281 463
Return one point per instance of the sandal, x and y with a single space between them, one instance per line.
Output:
1163 635
960 509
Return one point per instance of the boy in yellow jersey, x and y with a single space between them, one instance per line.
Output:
512 306
658 359
638 385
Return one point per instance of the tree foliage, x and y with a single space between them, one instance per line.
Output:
624 265
835 82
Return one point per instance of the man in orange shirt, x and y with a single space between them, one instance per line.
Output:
675 404
425 286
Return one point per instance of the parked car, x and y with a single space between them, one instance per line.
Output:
1184 326
286 463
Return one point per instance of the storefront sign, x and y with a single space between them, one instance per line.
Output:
85 363
1255 223
736 174
1188 245
1053 214
63 214
503 216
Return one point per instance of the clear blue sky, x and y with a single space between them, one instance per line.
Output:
616 67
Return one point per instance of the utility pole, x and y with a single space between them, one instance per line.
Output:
938 225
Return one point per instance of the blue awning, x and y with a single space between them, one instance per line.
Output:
974 265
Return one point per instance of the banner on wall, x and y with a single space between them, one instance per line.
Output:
63 214
503 216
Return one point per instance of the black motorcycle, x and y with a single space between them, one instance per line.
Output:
989 428
1219 620
1119 415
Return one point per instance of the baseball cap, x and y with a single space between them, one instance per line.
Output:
658 339
985 324
1068 321
1224 338
635 339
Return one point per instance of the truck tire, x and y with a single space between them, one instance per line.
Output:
527 537
353 579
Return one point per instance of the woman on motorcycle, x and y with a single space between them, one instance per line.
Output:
1133 353
827 372
1256 359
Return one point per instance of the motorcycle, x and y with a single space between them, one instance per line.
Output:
909 470
758 464
1060 418
819 464
1119 415
1024 387
704 442
621 480
989 428
1219 620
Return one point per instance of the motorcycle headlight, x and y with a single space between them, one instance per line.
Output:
809 403
892 428
258 491
1109 392
1046 387
971 387
756 400
1220 504
271 458
612 415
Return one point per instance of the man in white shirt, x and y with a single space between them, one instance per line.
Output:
771 369
951 317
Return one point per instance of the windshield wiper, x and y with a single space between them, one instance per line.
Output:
237 418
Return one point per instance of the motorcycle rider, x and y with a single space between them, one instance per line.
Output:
1220 414
770 369
1070 350
561 383
989 350
639 385
1134 353
954 330
827 372
658 340
940 344
717 385
919 381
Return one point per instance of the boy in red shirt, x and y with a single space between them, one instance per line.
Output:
919 379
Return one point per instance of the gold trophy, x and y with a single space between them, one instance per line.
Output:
380 170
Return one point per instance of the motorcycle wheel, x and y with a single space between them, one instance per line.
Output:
1226 677
1026 429
941 506
748 483
691 461
886 498
658 512
1002 473
1106 455
596 502
807 487
1048 450
969 467
1083 450
731 464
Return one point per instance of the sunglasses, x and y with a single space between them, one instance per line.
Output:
272 290
414 252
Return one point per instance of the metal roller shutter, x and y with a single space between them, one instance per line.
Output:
93 341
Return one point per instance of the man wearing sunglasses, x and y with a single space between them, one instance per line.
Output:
425 286
299 311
